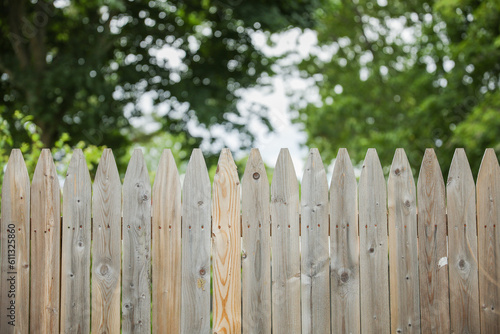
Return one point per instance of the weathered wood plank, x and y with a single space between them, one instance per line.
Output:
488 217
403 247
286 316
461 199
15 247
226 246
344 247
106 246
166 229
76 234
195 306
45 246
256 249
315 257
136 259
433 251
374 288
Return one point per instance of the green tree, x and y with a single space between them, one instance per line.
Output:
411 74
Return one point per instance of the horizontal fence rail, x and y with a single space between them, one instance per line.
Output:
372 256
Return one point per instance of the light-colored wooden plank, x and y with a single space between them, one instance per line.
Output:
315 257
403 247
195 306
344 247
106 246
488 217
286 316
136 259
463 275
76 234
256 247
433 252
166 229
226 246
45 246
15 261
374 275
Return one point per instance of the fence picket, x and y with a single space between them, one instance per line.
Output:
344 247
106 246
286 316
136 266
461 200
195 306
226 246
315 261
374 287
403 247
256 247
488 216
15 247
433 252
166 230
76 235
45 246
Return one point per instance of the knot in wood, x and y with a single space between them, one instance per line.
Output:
244 256
397 171
145 197
407 203
461 264
344 277
104 270
202 272
371 250
256 176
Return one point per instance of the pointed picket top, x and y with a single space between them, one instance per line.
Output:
403 246
488 216
256 247
344 247
315 269
462 246
136 169
196 171
45 246
433 251
75 262
166 248
16 220
106 246
284 175
371 170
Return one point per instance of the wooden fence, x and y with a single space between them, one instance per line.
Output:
331 261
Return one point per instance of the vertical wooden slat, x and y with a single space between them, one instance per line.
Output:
374 288
226 246
403 247
315 260
75 262
45 246
488 217
15 251
256 248
461 199
344 247
106 246
433 252
136 259
166 229
286 316
195 306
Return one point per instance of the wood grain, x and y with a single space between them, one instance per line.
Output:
256 247
76 235
488 217
344 247
166 229
136 259
461 199
433 251
45 246
374 288
226 246
195 306
315 258
15 247
106 246
286 316
403 247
